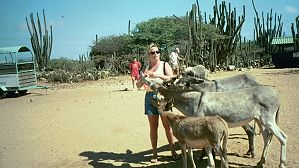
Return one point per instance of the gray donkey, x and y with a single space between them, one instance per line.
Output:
191 81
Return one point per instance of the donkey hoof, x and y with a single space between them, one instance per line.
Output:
259 165
250 153
282 165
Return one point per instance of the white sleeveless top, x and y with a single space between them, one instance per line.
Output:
160 69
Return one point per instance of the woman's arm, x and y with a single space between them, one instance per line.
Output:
168 71
143 73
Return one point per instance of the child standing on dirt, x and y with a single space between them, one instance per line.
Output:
134 71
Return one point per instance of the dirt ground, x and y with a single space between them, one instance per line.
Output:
100 124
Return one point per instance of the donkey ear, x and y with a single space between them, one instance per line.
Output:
196 80
170 80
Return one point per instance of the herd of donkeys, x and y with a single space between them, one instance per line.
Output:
210 107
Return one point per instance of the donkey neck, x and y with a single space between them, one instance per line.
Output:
186 102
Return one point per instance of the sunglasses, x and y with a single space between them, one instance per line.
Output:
155 52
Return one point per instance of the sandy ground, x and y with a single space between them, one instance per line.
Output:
99 124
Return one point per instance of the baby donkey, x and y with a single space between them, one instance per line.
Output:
198 132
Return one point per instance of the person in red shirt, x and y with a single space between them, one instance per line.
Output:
134 71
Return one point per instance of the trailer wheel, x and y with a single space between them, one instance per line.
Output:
2 94
10 93
22 92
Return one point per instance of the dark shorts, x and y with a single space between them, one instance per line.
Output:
149 108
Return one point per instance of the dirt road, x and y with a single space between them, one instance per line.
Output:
100 124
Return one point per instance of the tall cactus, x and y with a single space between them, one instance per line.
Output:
295 33
226 21
217 50
41 43
264 32
195 35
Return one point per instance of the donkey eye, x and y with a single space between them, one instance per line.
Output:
188 84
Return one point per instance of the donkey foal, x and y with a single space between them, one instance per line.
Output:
200 132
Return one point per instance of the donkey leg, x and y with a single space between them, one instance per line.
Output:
211 162
250 133
203 154
282 137
267 137
222 153
184 155
190 153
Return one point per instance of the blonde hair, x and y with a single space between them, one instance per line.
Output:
148 51
151 46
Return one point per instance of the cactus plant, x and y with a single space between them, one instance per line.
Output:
264 32
219 49
295 33
226 21
41 43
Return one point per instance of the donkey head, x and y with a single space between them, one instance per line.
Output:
161 103
189 80
156 83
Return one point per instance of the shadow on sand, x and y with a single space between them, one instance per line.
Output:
127 159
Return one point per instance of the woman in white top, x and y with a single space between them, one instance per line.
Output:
157 69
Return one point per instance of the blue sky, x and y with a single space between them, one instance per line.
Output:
76 22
